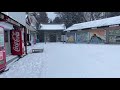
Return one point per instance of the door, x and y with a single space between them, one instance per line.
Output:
53 38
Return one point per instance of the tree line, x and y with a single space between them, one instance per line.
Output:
70 18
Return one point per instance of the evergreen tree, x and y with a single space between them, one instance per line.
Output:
57 20
112 14
50 21
70 18
41 17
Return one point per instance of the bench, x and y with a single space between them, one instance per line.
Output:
37 50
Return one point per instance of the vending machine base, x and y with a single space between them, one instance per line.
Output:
2 69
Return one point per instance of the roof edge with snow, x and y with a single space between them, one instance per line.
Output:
52 27
96 23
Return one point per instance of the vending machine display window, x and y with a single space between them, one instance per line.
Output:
1 38
2 50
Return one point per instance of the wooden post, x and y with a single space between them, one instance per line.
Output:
45 38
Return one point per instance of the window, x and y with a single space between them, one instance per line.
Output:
117 38
1 40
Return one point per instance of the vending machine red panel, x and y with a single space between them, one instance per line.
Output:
2 50
16 42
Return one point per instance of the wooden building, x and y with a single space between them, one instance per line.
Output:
98 31
50 32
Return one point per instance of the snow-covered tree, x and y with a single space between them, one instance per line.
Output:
70 18
41 17
90 16
57 20
50 21
112 14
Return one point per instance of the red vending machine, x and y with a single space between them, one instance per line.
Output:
17 42
2 50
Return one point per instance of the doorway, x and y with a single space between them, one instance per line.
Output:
52 37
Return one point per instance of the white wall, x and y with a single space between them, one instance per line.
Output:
18 16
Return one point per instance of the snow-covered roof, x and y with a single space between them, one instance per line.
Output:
6 26
31 28
96 23
52 27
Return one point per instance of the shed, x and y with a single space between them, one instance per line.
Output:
51 32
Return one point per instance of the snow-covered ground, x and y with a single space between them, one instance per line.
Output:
68 61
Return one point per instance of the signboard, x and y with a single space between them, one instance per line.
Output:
71 37
16 42
97 36
63 38
114 36
82 37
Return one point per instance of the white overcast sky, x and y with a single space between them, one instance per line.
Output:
51 15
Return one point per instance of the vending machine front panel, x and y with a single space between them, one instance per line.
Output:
2 50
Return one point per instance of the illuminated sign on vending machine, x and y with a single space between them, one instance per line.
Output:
16 42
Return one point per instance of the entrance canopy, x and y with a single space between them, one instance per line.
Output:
6 26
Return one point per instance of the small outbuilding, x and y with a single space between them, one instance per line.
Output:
51 32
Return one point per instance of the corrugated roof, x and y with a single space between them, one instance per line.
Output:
95 23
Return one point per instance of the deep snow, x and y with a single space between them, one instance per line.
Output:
68 61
